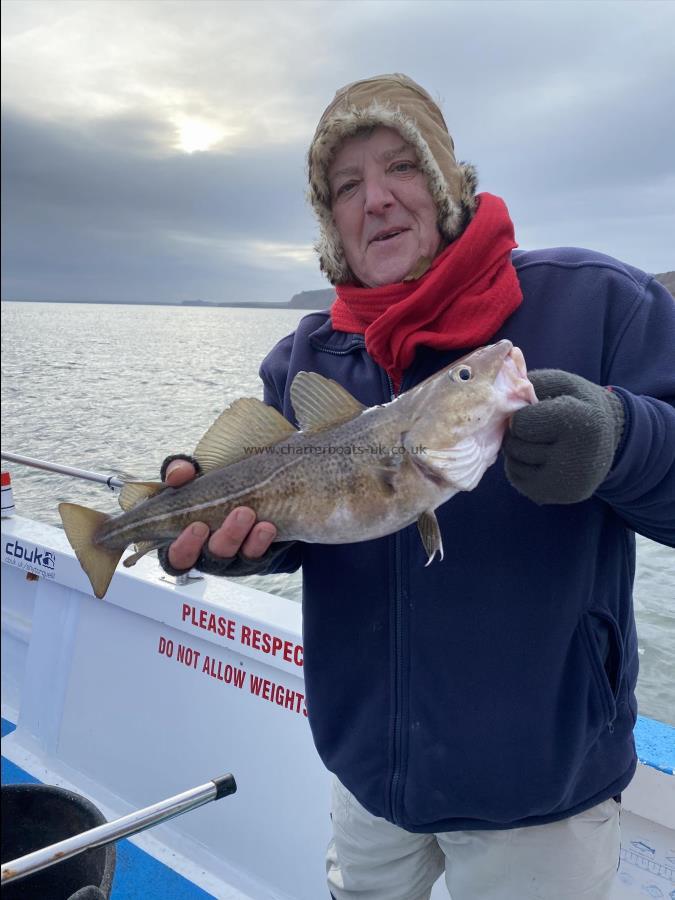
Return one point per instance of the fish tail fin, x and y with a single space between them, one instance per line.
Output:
99 563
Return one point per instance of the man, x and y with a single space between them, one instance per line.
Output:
477 713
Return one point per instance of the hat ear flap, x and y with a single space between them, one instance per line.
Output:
468 185
332 260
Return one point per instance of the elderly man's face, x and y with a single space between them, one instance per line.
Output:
382 207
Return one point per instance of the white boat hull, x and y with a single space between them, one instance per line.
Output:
161 687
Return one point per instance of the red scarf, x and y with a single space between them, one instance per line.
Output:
469 291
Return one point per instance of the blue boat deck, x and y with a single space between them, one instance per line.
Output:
646 861
138 876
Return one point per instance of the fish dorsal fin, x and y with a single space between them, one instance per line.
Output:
321 402
244 424
135 492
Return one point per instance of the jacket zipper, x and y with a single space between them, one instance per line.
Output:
398 681
398 631
356 345
398 665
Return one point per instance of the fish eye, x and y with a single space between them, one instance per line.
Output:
461 373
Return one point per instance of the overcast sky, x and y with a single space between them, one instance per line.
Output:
155 150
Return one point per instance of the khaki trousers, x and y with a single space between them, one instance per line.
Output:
371 859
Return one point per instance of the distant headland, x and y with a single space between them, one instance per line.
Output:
304 300
668 280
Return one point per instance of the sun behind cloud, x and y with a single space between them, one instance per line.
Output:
197 135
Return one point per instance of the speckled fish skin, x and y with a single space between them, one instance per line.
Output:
396 461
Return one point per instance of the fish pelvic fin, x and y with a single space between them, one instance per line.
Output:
81 524
431 535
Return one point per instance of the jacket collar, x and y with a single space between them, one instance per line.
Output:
340 343
337 342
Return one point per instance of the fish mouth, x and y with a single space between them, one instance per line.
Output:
513 381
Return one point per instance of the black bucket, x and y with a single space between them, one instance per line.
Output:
38 815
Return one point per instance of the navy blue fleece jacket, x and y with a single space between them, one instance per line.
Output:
495 689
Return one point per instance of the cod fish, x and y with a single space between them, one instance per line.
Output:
349 474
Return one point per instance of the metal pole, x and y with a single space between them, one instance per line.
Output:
124 827
110 480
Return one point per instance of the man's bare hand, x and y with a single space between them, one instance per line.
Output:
239 531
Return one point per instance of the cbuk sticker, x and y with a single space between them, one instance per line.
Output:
32 559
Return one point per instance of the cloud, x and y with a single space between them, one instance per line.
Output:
102 216
563 107
234 64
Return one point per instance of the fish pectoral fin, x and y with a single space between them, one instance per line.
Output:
142 547
430 534
463 464
321 403
135 492
246 423
99 563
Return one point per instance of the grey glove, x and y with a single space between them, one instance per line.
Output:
235 567
561 449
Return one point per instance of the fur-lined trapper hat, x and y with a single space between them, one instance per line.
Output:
394 101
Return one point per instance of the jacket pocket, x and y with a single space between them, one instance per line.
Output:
604 648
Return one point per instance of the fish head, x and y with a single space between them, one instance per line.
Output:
460 414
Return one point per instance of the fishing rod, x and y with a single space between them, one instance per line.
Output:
128 825
111 481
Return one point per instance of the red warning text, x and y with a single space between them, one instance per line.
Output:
272 644
277 693
263 688
209 621
263 641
